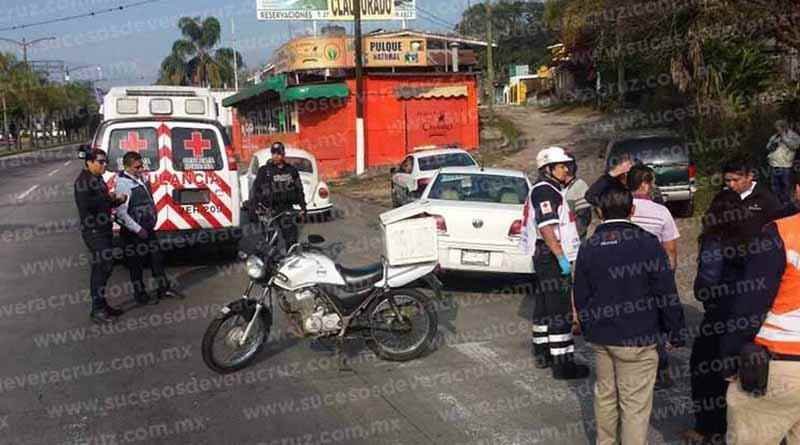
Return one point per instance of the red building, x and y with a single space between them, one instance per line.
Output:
413 98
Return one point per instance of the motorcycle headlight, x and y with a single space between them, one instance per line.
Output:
255 267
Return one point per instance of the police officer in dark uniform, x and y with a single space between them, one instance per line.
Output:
278 187
551 237
94 207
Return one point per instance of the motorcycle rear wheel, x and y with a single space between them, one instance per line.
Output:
391 339
225 331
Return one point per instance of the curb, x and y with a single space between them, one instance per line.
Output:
7 155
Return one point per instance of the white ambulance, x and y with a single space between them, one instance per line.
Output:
187 155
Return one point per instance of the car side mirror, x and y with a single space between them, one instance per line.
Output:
315 239
83 150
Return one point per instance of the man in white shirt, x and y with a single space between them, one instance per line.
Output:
782 149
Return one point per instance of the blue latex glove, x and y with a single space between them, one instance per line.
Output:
566 268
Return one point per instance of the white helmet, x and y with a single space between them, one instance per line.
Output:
552 155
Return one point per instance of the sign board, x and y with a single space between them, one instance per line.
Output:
382 52
335 9
316 53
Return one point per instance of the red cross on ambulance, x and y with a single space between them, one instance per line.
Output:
133 143
197 144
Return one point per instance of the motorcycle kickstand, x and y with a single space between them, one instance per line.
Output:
341 356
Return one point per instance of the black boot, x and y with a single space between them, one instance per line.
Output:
565 368
541 356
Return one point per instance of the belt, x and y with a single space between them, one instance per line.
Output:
785 357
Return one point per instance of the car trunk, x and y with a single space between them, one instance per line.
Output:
309 186
478 222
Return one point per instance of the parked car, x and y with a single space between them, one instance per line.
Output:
317 193
478 215
418 168
669 156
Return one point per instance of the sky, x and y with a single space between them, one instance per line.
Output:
129 44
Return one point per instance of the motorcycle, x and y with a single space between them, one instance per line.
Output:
322 299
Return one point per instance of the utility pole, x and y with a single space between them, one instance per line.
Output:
235 61
6 134
360 139
25 44
490 56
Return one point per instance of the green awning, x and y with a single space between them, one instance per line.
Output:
272 83
305 92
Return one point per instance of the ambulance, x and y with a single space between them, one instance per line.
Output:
187 156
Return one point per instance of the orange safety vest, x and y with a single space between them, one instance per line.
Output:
780 332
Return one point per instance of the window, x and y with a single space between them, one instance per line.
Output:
436 162
302 165
141 140
195 149
480 188
651 151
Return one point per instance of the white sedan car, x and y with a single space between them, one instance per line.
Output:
411 177
479 218
317 193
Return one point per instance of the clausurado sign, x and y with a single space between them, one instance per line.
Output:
370 9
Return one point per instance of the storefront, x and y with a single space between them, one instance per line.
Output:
309 102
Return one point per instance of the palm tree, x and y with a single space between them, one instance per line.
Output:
194 60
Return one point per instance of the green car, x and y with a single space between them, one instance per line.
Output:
671 158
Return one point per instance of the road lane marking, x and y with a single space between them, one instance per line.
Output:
67 163
27 192
53 172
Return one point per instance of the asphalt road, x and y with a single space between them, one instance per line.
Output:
64 380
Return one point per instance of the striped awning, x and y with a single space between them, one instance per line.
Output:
428 92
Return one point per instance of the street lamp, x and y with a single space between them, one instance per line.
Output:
68 69
25 44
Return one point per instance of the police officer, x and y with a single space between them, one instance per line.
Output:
94 207
278 187
551 237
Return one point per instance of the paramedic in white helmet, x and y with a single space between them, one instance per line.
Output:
550 236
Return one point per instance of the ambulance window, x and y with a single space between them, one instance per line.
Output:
142 140
195 149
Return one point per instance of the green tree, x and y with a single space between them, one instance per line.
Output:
195 59
519 32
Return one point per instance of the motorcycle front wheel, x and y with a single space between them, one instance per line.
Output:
222 351
405 337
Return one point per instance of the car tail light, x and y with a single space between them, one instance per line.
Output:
323 193
231 159
692 172
422 183
516 228
441 225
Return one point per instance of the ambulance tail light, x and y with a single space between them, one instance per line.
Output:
516 229
232 164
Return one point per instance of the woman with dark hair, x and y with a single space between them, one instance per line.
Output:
722 257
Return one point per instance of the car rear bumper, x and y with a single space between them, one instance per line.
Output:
190 238
675 194
501 259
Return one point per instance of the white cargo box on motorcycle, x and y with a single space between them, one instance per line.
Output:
409 236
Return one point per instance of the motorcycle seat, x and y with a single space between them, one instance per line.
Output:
362 277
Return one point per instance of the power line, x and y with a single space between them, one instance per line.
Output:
79 16
433 19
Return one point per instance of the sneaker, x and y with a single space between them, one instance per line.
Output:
102 317
567 369
166 293
114 312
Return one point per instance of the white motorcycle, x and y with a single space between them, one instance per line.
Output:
324 299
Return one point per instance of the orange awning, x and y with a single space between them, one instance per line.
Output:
429 92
